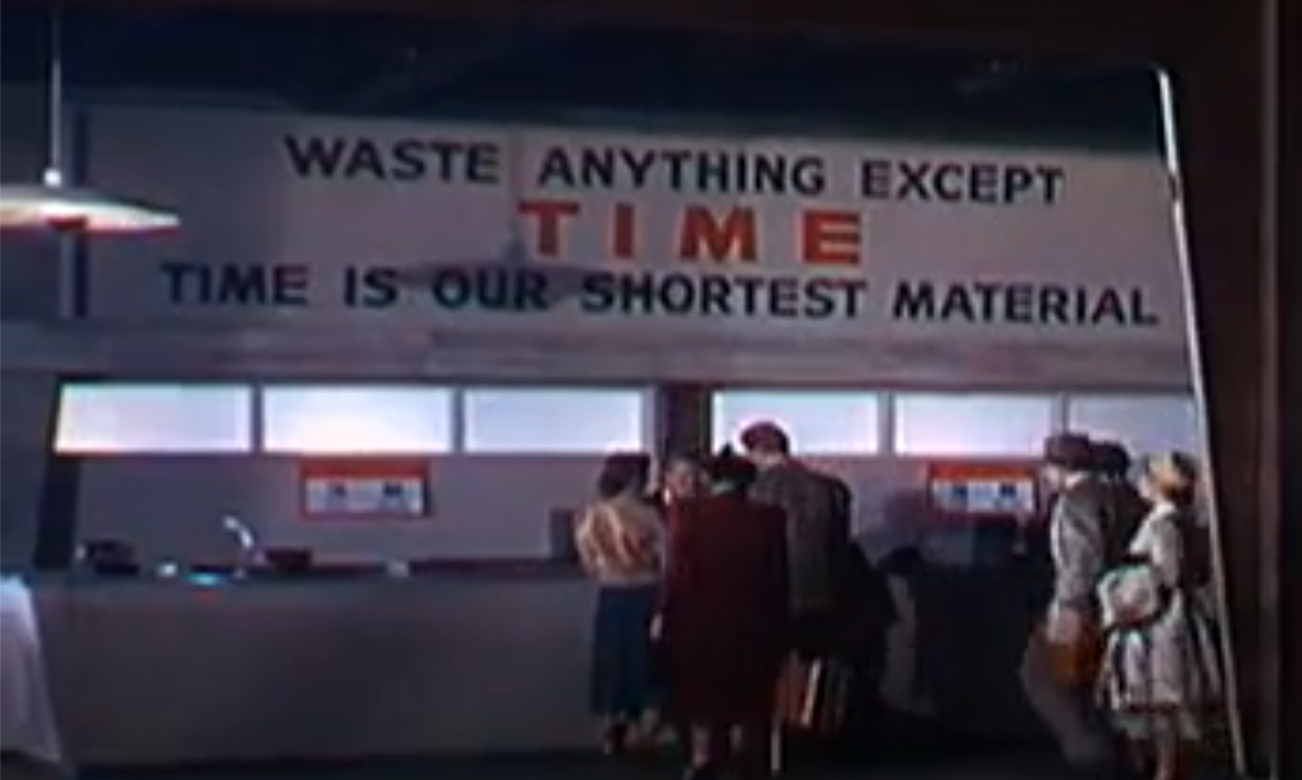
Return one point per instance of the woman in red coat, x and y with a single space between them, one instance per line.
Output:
724 618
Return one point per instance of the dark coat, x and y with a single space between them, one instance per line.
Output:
1126 510
725 608
817 508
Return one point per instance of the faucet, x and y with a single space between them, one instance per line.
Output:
245 537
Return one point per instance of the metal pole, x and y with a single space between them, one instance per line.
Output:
54 173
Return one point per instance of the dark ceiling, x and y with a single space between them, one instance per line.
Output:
456 67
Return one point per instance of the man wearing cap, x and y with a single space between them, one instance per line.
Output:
818 509
1059 667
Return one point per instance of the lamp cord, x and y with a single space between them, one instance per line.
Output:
54 169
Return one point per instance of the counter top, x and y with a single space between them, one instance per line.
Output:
423 572
163 671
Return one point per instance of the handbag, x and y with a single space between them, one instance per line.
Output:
813 695
1131 596
1077 664
1075 660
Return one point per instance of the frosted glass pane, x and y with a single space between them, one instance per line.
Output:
819 422
1145 424
983 425
344 420
154 418
554 421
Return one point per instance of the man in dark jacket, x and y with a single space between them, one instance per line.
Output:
1126 507
818 508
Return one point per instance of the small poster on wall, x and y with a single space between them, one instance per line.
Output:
982 489
365 489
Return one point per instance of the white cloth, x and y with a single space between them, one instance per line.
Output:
26 717
1166 663
1131 596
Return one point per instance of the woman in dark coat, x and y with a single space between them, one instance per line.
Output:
724 618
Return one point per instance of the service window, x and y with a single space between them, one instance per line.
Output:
983 425
820 422
1145 424
356 420
112 418
556 421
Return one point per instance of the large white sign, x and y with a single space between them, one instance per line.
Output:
528 231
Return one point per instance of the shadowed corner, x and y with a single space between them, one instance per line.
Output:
15 766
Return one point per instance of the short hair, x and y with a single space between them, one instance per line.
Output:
1070 451
1111 459
1174 476
766 437
623 472
733 471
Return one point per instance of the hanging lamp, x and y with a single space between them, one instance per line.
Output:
54 205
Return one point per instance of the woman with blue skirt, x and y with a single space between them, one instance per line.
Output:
620 542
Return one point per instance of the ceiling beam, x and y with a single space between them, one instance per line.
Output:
1118 27
433 68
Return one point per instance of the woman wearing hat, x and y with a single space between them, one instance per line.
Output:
724 619
1159 671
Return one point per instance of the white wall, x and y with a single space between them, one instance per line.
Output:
484 507
170 507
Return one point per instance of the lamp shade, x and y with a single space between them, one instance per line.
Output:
77 209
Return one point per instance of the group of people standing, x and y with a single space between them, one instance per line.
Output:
712 582
706 592
1123 668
